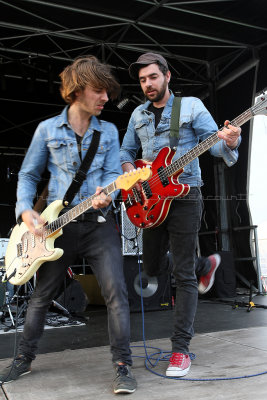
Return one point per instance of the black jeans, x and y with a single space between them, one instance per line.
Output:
100 244
179 231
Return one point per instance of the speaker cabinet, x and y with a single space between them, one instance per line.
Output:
156 291
132 238
73 298
91 289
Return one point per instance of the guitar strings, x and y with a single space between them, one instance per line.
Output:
240 120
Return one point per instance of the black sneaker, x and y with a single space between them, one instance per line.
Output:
20 366
124 381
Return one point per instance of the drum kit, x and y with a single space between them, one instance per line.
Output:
13 300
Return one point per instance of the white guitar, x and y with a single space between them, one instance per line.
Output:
26 252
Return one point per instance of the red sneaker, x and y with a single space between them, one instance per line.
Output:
206 281
179 365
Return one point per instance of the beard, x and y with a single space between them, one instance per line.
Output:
158 94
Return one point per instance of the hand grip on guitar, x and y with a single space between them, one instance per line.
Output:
100 199
230 134
33 221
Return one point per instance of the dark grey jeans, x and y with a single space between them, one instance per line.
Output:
100 244
179 233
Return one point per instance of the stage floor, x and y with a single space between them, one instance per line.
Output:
74 361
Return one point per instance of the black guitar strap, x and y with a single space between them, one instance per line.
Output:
175 120
82 171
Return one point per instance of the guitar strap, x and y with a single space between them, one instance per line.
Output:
175 120
82 171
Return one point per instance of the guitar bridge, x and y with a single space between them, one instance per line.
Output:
137 196
147 190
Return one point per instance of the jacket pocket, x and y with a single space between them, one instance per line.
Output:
142 129
100 156
59 152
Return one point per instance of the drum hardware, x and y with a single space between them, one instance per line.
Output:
6 298
61 308
11 315
13 302
3 247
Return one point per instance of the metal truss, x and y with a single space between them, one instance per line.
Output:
206 42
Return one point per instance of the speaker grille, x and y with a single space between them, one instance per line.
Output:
156 291
132 242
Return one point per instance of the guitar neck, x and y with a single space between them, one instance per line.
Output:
74 212
205 145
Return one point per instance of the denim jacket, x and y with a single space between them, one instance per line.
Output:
196 124
54 146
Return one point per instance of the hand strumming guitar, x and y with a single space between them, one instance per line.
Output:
33 221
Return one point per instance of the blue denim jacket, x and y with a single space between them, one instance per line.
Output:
196 124
54 146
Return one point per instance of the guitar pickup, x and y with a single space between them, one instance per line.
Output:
19 249
162 176
147 190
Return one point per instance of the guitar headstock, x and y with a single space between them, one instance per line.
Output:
129 179
260 108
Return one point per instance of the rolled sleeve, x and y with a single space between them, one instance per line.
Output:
229 156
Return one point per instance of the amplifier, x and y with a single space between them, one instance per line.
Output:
132 237
156 291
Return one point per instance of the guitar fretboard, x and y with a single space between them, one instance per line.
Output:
205 145
74 212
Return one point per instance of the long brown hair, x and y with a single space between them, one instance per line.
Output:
87 70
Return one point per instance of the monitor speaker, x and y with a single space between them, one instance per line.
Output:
73 297
155 291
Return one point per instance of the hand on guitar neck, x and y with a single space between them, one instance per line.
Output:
230 134
100 200
35 222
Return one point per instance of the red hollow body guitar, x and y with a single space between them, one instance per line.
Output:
149 206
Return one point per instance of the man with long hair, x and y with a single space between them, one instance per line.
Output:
60 144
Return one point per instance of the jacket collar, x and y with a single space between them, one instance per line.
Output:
167 107
62 120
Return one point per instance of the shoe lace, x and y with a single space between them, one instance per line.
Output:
20 359
177 358
122 370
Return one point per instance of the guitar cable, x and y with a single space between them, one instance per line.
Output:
159 355
152 360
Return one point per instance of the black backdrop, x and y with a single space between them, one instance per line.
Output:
24 101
